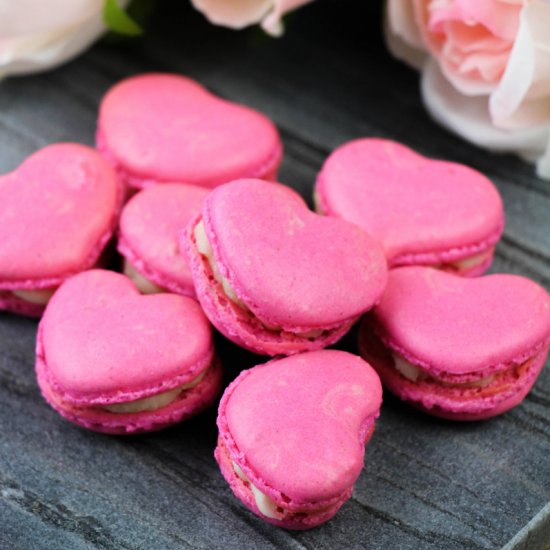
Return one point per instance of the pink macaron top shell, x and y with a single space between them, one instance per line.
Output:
104 342
449 324
57 211
166 127
149 227
291 267
413 204
298 425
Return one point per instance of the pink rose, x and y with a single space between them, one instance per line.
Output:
241 13
485 68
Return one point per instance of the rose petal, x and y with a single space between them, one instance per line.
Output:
469 118
401 33
498 17
466 84
235 14
272 23
47 51
488 66
523 95
501 18
238 14
28 17
46 34
475 38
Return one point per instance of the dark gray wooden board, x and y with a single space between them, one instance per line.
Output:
427 483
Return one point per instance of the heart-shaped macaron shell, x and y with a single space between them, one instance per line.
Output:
459 348
424 211
158 128
57 212
114 361
292 434
275 277
148 237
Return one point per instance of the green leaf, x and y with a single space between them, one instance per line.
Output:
117 20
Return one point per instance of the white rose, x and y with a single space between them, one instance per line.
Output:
36 35
485 68
242 13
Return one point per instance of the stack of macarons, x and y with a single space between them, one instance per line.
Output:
186 181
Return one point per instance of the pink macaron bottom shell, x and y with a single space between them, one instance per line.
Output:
188 404
14 304
169 284
267 171
440 397
240 325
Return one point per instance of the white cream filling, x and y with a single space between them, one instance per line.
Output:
414 373
205 249
155 401
266 505
38 297
408 370
317 203
471 261
144 285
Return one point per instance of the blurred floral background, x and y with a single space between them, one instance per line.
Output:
484 64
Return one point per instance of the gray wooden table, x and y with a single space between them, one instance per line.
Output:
427 483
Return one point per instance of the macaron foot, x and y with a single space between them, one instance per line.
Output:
474 396
149 414
25 302
472 263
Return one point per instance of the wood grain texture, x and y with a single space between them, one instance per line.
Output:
427 483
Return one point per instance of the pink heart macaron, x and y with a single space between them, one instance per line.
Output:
275 277
424 211
148 237
463 349
157 128
112 360
58 210
292 435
